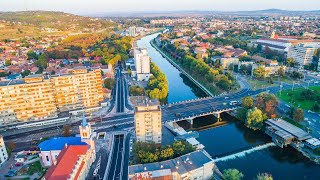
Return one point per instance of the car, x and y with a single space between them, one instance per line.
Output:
316 82
224 103
287 105
178 114
18 164
226 97
9 175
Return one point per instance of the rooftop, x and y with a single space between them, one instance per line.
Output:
66 161
289 128
58 143
181 165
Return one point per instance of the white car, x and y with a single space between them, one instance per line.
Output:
287 105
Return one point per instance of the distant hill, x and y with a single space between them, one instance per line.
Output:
206 12
58 20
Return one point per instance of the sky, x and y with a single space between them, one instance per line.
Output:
109 6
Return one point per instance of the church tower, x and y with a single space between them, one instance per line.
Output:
87 137
86 132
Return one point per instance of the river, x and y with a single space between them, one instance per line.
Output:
234 138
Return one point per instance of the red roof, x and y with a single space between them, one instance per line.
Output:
66 161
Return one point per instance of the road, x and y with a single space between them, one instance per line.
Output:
116 166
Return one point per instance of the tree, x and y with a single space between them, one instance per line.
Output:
232 174
254 119
11 146
109 83
7 62
42 61
25 73
242 114
166 153
247 102
32 55
298 115
291 62
66 130
260 72
264 176
316 107
281 71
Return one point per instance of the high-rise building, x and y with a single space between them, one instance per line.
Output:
142 63
147 120
3 151
40 97
302 54
132 31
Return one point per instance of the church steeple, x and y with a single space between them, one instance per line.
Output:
84 121
85 128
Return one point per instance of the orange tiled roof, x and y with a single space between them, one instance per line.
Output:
66 160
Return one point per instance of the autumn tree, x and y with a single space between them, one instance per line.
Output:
254 119
264 176
298 115
11 146
281 71
247 102
66 130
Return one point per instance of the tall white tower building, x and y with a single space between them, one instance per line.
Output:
3 151
142 63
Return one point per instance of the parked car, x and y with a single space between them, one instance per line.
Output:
18 164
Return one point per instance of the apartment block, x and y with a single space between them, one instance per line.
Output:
3 151
81 89
147 118
142 64
302 54
40 97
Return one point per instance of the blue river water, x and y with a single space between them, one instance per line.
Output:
233 138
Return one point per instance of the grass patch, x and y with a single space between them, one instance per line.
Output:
291 97
293 122
33 168
259 84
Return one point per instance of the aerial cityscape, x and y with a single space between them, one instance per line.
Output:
159 90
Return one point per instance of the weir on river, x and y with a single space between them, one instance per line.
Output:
244 153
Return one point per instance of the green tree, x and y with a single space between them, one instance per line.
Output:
298 115
264 176
25 73
242 114
254 119
42 61
32 55
247 102
109 83
232 174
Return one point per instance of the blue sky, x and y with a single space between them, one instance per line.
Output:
105 6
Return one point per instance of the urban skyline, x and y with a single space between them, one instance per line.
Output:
97 6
